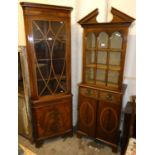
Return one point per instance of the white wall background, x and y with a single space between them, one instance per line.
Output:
128 7
80 9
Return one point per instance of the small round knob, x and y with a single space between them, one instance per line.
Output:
109 97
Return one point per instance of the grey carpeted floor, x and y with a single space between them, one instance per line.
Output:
68 146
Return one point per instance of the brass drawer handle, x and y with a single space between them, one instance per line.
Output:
109 97
89 92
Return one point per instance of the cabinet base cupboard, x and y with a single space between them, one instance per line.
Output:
99 114
101 90
48 38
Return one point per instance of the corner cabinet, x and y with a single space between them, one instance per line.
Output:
48 38
101 90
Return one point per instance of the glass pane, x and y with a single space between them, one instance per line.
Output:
100 76
40 29
62 86
113 77
42 88
59 50
89 75
59 86
115 58
101 57
103 40
42 50
44 70
60 76
56 27
50 48
56 84
90 40
116 40
90 57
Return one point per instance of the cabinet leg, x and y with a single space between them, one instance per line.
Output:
38 144
115 149
69 134
78 135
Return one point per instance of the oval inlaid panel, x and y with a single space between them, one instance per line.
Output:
86 114
108 120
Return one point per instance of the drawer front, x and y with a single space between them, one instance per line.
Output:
110 97
89 92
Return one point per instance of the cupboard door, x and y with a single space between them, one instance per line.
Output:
54 119
87 115
108 121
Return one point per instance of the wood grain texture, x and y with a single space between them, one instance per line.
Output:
87 115
108 122
53 119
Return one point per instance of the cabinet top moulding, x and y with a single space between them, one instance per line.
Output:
118 18
45 6
37 9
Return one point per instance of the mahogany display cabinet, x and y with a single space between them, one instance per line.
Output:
101 90
48 38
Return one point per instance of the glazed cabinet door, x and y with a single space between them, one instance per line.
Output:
49 55
87 115
108 121
54 119
103 58
50 52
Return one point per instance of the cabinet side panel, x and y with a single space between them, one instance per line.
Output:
30 57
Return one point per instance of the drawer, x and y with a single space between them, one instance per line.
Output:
110 97
89 92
